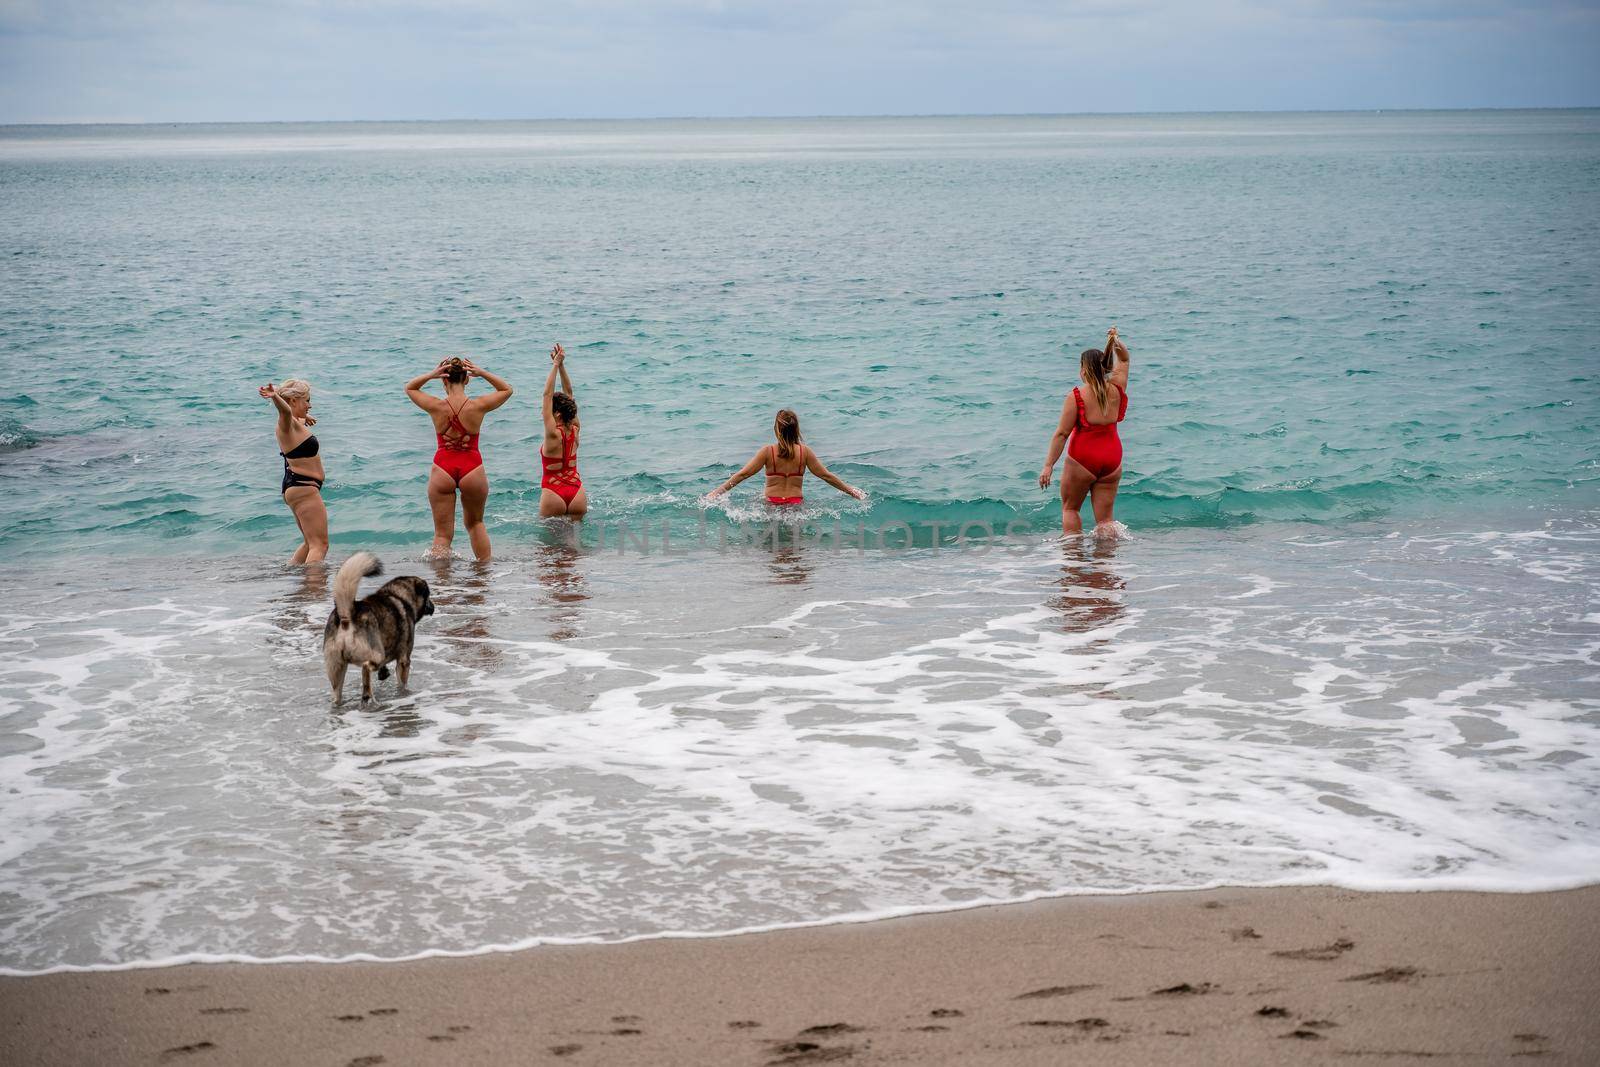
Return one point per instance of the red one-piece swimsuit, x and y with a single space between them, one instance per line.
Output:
561 475
458 455
1096 446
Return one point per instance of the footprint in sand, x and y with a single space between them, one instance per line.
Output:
743 1024
365 1061
799 1053
1084 1025
224 1011
565 1050
945 1013
1388 974
626 1031
1183 989
351 1018
1270 1012
932 1028
1532 1045
186 1050
1330 951
1054 991
1244 933
827 1029
384 1011
626 1018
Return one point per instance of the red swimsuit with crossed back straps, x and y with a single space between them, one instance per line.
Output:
561 475
458 455
774 472
1096 445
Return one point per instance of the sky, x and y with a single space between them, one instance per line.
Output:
310 60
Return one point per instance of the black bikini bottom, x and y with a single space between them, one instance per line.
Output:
292 479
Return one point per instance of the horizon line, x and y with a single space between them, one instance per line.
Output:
798 116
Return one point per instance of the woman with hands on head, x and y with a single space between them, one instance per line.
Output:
786 461
561 491
302 466
458 465
1088 432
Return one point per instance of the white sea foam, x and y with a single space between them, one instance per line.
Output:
604 747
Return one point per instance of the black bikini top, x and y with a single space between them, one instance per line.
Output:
304 450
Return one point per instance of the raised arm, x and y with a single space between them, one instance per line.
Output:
502 388
814 465
560 355
755 464
1058 441
414 388
285 415
552 428
1119 371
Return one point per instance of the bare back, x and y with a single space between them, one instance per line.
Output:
456 416
784 474
555 445
1101 414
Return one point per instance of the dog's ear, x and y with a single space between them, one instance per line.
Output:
424 600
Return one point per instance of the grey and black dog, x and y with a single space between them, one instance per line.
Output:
375 630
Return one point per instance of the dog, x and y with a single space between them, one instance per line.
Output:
375 630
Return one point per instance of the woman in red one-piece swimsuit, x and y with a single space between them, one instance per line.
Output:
458 465
1088 432
561 491
783 485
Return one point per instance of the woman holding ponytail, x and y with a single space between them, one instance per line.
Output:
1088 432
302 466
458 465
786 462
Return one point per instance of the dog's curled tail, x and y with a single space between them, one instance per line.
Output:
348 581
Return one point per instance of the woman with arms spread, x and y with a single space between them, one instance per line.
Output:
1088 432
561 491
458 465
786 462
302 466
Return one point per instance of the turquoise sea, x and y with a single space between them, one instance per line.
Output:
1350 634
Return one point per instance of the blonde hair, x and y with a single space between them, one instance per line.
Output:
787 429
295 389
1096 365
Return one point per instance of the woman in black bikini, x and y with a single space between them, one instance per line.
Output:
302 467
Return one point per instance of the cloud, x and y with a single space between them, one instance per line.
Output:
293 59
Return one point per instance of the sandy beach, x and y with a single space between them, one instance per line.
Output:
1224 976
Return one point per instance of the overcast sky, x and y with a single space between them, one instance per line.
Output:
214 60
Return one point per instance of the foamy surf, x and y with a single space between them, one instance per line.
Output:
603 746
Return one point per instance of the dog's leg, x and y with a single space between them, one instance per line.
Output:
366 683
404 667
336 680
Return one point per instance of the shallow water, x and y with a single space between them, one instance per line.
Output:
587 753
1349 637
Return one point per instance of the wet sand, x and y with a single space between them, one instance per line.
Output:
1225 976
